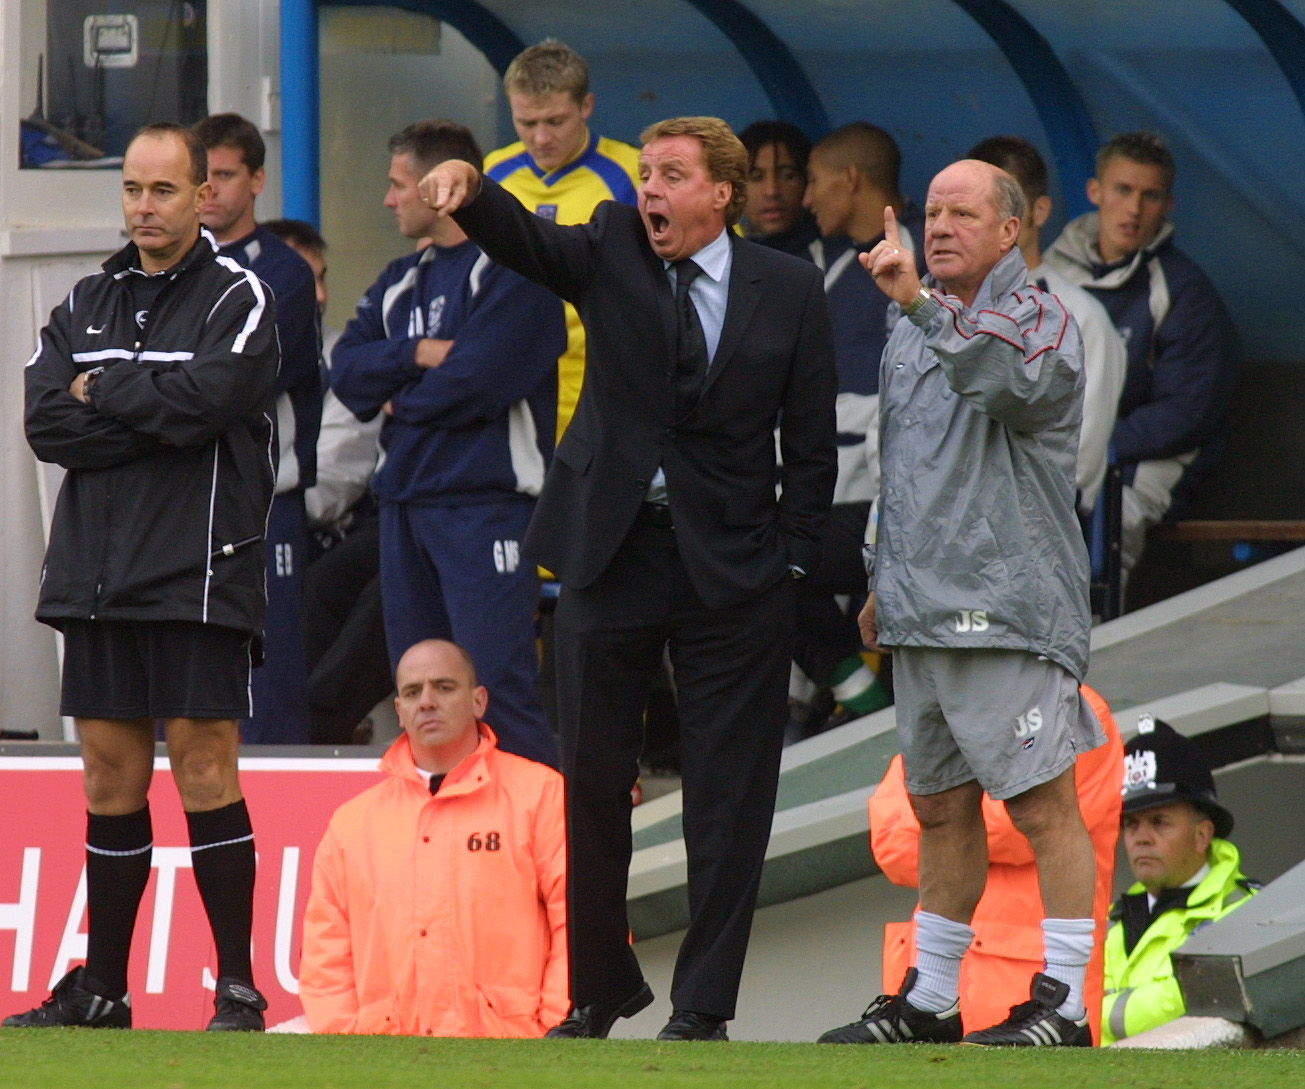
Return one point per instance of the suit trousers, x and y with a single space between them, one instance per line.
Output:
731 668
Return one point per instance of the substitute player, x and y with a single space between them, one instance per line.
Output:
560 170
236 177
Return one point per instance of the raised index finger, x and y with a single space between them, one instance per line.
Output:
891 233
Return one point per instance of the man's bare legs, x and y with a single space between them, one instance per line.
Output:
953 871
1049 817
953 851
118 760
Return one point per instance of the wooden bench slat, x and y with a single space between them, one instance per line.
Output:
1228 530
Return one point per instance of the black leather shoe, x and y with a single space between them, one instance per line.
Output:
891 1019
73 1003
1036 1023
238 1007
595 1021
687 1025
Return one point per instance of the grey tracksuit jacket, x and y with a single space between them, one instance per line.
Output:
978 544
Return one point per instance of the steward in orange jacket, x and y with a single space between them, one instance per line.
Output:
1008 942
444 914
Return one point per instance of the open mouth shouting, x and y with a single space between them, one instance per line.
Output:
659 227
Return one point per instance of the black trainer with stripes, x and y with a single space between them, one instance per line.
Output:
72 1004
1036 1023
891 1019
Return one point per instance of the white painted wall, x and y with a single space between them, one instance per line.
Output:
244 77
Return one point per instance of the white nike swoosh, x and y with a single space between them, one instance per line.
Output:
93 331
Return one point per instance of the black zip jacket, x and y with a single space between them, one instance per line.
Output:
171 464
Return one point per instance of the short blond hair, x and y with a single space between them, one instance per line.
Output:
723 154
547 68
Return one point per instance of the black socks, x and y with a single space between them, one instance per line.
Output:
222 853
118 855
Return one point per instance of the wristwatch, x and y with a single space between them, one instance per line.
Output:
922 297
91 376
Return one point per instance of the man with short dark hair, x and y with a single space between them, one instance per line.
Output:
302 237
236 177
1104 359
852 178
459 353
661 520
344 629
1182 347
438 904
560 169
153 387
777 179
1175 835
979 583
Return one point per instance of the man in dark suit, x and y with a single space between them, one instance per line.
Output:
660 517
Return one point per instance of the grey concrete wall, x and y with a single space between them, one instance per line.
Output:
381 70
813 963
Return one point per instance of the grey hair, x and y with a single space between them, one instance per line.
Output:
1008 196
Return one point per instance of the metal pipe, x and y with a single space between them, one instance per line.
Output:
300 112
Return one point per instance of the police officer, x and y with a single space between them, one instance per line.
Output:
1188 874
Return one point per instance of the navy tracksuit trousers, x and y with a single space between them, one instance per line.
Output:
280 684
456 572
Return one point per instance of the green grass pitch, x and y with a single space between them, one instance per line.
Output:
81 1059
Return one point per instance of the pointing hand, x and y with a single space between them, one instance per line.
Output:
892 264
452 185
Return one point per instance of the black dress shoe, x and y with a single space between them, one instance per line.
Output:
687 1025
239 1008
595 1021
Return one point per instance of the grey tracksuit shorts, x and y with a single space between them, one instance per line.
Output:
1008 718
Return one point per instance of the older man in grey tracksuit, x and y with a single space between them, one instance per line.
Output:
979 580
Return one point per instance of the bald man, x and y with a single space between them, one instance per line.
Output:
979 582
438 905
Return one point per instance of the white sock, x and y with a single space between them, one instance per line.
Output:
1068 944
940 943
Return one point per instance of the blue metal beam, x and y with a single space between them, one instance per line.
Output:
771 61
1060 107
300 123
1283 36
300 87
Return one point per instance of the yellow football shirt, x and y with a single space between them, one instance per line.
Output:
606 170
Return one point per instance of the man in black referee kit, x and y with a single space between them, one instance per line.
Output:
153 386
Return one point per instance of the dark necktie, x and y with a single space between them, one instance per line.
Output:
436 781
691 343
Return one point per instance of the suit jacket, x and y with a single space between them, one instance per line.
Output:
774 366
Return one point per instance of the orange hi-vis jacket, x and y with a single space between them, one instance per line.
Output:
1007 950
441 915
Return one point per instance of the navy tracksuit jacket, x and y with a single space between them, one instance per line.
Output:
280 684
466 447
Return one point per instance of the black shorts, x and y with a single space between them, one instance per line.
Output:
133 669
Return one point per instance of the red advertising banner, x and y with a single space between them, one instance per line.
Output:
173 961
